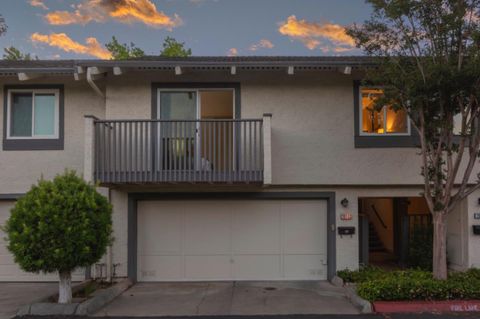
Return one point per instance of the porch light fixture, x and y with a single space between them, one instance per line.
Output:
344 202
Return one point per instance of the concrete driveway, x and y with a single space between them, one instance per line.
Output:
14 295
230 298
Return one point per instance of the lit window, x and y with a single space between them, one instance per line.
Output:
33 114
381 121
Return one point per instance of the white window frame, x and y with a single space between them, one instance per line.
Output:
55 92
360 117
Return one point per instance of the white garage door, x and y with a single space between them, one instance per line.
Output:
232 240
9 271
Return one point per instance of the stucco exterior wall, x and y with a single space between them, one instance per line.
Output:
20 169
312 140
347 248
312 125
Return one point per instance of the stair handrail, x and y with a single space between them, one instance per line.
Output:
378 216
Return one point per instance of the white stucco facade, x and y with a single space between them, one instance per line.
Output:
313 150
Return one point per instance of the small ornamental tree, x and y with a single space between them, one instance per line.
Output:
429 65
59 225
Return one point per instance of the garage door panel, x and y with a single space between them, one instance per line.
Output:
257 267
256 228
159 228
157 268
208 267
6 259
3 246
301 267
207 230
234 240
305 228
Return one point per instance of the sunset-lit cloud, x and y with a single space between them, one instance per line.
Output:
38 4
262 44
232 52
125 11
64 42
325 36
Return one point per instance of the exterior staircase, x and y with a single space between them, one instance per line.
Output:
374 242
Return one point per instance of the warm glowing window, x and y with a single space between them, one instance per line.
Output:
381 121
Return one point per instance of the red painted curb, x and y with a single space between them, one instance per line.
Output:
427 306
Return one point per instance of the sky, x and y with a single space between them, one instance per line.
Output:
65 29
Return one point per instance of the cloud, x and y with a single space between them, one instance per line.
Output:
64 42
233 52
325 36
125 11
38 4
262 44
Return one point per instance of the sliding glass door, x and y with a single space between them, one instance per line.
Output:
178 133
196 130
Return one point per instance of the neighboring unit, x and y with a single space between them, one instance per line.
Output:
215 174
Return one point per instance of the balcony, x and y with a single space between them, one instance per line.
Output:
177 151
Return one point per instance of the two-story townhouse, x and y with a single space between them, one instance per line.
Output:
225 168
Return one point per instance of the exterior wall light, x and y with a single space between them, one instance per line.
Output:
344 202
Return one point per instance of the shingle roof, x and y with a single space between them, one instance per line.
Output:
69 66
37 65
236 60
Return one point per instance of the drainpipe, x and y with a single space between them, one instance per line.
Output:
93 74
109 263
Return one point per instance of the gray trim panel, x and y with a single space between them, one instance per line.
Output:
34 144
133 199
377 141
11 196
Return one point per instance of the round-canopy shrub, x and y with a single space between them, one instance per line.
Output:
59 225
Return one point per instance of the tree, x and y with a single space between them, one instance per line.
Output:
173 48
59 225
3 26
14 54
123 51
429 65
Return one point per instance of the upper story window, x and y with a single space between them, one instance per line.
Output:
34 118
33 114
384 121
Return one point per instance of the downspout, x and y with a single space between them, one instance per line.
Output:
109 263
93 85
91 76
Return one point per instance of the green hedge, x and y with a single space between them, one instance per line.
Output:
375 284
420 248
366 273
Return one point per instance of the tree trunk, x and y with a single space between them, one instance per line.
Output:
439 245
65 287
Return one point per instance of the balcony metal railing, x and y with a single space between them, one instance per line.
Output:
175 151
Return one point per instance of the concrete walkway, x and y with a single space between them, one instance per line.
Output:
14 295
230 298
